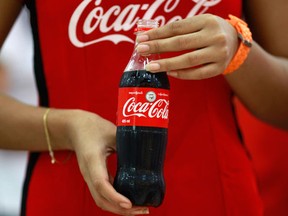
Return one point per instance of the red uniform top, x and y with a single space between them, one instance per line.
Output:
82 48
268 146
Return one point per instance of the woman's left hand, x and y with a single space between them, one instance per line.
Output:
209 42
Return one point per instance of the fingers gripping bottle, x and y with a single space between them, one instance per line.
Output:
142 129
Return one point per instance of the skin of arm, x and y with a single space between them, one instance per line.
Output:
21 125
9 12
262 82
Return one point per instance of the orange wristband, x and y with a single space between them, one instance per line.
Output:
245 36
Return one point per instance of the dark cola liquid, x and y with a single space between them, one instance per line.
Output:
141 150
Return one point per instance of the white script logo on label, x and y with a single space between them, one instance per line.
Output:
158 109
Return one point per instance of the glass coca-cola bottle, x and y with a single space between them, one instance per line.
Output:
142 129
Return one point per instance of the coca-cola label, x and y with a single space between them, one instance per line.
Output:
143 107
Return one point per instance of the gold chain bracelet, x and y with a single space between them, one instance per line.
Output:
51 153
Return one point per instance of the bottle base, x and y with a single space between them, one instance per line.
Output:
142 189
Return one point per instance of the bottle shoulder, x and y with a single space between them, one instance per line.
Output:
143 78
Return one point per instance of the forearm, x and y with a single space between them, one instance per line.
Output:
261 83
21 126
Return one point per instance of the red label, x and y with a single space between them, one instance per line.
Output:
143 107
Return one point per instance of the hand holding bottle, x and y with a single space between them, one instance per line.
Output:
209 43
93 140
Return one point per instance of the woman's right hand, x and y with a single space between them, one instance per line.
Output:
93 140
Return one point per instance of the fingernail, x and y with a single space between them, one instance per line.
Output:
146 211
141 212
142 48
153 66
142 38
125 205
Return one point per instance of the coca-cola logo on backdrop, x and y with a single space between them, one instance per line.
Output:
116 19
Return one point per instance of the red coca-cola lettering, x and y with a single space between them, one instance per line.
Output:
143 107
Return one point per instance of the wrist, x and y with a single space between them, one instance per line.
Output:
61 124
245 37
78 129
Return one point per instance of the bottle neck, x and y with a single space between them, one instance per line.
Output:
139 62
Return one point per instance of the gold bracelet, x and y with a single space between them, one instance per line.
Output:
51 153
